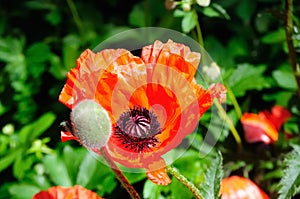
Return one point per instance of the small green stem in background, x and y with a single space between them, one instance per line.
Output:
183 180
234 101
119 175
198 29
220 108
233 130
288 32
76 17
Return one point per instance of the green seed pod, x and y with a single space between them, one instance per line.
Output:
91 124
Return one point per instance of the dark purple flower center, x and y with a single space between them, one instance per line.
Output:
136 129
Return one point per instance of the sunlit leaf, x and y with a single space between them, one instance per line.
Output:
86 170
213 176
23 191
189 21
242 79
57 170
290 183
285 79
35 129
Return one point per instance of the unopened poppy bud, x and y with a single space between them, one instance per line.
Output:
91 124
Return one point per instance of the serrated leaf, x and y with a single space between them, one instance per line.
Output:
213 175
290 183
189 21
247 77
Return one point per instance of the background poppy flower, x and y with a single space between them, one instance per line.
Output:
152 101
264 126
235 187
59 192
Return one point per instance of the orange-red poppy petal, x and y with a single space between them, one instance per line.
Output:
258 129
277 116
58 192
156 172
240 188
174 55
66 136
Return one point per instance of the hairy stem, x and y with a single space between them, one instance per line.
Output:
289 32
183 180
120 176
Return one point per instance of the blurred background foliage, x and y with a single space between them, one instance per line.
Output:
41 39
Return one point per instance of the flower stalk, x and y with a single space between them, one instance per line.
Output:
220 108
119 175
233 130
289 32
183 180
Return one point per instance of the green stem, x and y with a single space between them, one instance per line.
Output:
288 32
198 29
147 16
234 101
183 180
233 130
120 176
220 108
76 17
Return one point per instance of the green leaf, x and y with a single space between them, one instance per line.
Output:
72 158
152 191
137 16
285 79
107 185
38 52
87 170
70 52
189 21
134 177
35 129
7 160
247 77
54 17
277 36
290 183
246 9
213 175
23 191
21 165
216 11
179 191
57 170
179 13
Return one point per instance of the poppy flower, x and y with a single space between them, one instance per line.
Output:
264 126
59 192
236 187
153 101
